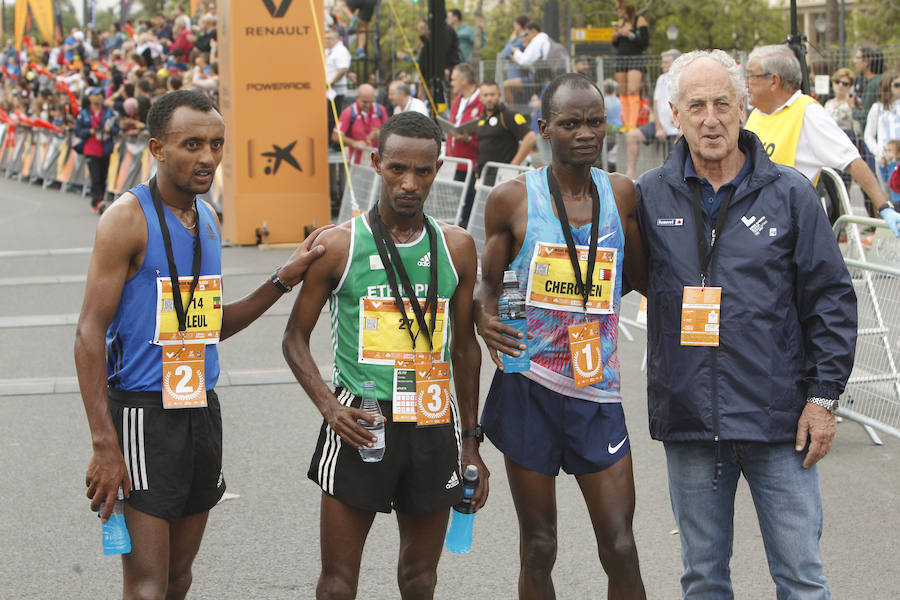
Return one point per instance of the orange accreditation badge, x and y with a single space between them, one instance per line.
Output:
587 353
432 393
184 385
700 315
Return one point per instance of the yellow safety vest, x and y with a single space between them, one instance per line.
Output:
780 132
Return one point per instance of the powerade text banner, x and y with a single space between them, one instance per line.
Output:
272 95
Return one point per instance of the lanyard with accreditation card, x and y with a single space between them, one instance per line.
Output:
183 381
584 338
421 388
701 307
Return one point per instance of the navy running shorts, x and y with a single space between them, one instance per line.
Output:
543 430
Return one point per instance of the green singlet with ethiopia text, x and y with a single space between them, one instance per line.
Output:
368 331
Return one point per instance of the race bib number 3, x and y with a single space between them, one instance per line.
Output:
183 381
432 393
383 338
700 312
204 314
551 281
587 353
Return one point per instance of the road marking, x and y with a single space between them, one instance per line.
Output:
43 252
47 386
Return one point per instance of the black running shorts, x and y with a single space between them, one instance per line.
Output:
419 473
174 456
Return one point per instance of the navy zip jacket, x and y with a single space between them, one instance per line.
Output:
83 129
788 313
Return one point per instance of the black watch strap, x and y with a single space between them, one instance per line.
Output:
476 433
282 286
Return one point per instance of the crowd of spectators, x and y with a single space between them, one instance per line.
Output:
123 69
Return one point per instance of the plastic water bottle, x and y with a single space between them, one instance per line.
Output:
459 535
115 535
511 310
370 404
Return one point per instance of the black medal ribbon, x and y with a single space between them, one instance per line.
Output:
390 260
180 310
584 287
705 253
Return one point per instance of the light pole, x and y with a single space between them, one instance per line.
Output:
672 33
821 26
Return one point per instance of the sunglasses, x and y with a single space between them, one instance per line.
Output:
844 83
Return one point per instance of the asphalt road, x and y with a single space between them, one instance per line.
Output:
264 542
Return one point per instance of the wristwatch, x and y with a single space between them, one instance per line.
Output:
282 286
830 404
476 433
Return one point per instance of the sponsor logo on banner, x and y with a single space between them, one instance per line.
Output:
278 155
278 86
277 9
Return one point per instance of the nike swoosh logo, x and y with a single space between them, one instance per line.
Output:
613 449
600 239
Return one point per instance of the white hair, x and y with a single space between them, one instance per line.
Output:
734 71
780 60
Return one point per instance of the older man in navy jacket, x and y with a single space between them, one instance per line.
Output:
751 335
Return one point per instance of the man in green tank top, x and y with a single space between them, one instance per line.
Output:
398 283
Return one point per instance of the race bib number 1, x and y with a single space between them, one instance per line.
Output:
432 393
183 381
587 353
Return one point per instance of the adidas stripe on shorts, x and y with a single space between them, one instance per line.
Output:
419 472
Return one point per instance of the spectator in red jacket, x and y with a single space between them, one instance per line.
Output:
466 107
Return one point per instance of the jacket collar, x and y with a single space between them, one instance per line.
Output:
763 170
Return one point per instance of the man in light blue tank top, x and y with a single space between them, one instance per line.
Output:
167 461
549 416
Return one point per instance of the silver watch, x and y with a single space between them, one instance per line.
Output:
829 404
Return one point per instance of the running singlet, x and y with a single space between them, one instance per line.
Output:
134 362
367 330
553 303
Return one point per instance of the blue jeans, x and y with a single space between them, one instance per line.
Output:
788 505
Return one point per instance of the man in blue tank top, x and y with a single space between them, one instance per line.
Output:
155 421
564 412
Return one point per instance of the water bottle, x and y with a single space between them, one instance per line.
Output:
115 535
370 404
511 310
459 535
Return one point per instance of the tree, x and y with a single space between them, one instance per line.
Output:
878 23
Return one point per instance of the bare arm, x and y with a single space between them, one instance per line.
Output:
120 240
525 148
504 232
635 261
239 314
864 176
322 278
465 352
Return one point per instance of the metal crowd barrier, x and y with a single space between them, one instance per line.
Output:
872 395
444 202
497 173
45 157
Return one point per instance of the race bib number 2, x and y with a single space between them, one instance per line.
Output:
183 380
